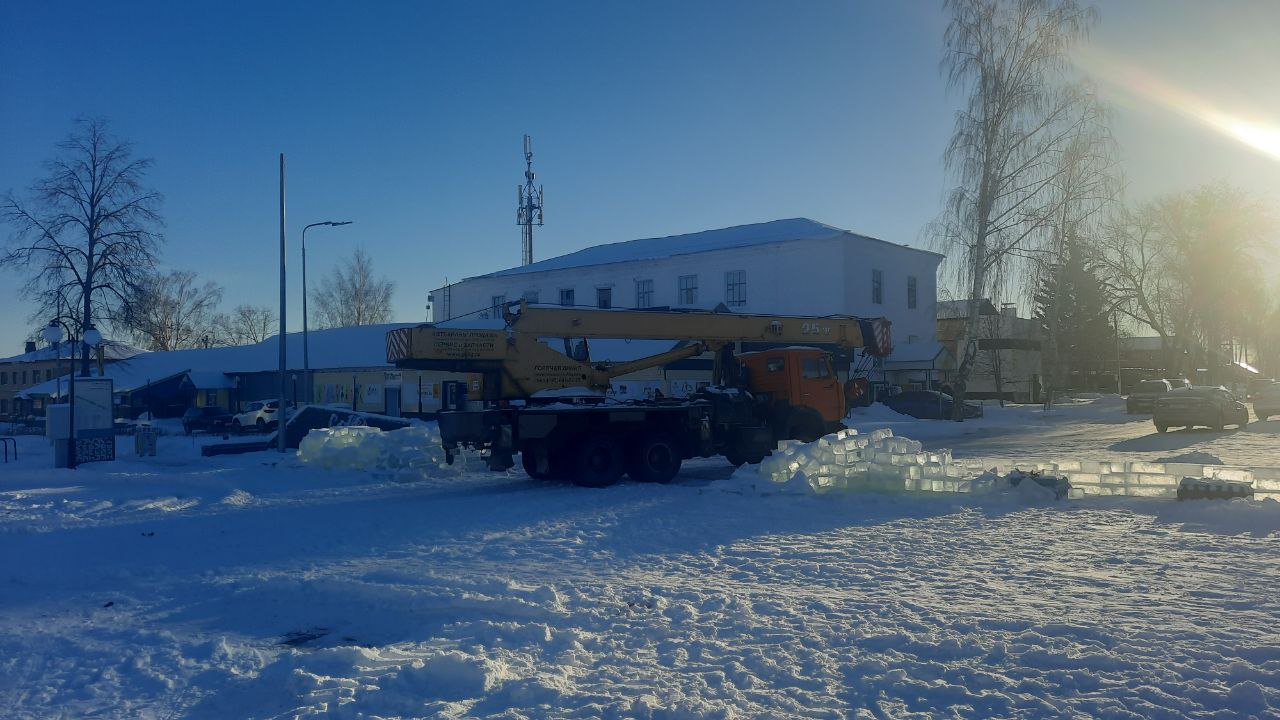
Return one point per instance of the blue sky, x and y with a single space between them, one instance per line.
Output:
648 119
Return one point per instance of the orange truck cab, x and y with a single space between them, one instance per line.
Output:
798 378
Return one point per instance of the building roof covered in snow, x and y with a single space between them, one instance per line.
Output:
775 231
362 346
920 356
111 351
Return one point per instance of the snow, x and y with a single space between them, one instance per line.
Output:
262 586
776 231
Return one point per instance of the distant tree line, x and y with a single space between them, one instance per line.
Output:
87 238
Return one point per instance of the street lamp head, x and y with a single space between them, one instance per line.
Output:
339 222
52 333
92 337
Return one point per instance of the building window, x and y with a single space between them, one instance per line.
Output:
210 398
912 339
735 287
4 405
566 297
48 374
604 298
911 292
877 287
687 290
4 378
530 296
644 293
24 377
495 307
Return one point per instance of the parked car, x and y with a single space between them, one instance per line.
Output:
206 419
1208 406
1257 385
928 405
1142 399
1266 401
261 415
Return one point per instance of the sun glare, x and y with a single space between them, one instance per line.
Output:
1262 137
1142 85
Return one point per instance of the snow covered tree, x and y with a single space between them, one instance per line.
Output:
87 235
351 295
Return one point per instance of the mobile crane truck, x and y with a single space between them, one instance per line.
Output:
521 396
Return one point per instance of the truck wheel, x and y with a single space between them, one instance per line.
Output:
529 459
598 462
656 458
806 427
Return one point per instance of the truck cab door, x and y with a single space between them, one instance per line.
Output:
819 387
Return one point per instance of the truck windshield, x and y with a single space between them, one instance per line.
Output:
814 368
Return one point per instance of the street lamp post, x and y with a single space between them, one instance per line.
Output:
53 335
306 349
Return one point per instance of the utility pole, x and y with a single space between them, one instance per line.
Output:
280 407
1119 382
529 207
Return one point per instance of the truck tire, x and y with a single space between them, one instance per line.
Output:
806 426
655 458
598 461
529 460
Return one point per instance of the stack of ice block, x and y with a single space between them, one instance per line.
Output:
413 451
1140 478
846 460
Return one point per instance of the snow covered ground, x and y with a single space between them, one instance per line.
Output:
258 587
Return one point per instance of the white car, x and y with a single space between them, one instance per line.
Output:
1266 401
261 415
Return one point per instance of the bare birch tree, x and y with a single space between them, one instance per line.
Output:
1085 185
351 295
87 234
245 325
174 312
1009 57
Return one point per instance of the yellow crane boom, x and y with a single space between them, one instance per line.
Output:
525 366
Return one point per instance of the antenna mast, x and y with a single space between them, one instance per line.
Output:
529 209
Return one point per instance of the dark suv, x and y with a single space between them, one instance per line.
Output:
1143 397
207 419
1209 406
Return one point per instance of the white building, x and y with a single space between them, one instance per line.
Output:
792 267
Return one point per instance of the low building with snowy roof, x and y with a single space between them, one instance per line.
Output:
348 366
783 267
38 364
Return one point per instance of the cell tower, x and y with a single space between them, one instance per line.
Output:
529 211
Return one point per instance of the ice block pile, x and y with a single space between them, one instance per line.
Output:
1155 479
413 451
846 460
